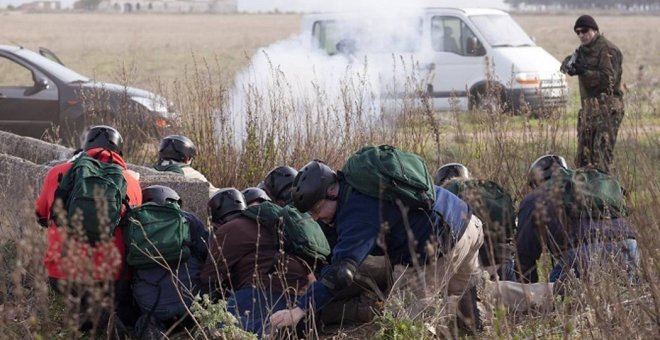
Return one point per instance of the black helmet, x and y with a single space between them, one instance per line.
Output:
278 183
160 194
311 185
254 194
543 168
177 148
449 171
225 202
103 136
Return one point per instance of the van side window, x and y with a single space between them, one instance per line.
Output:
450 34
319 32
446 34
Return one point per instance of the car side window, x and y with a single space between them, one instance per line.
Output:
13 74
446 34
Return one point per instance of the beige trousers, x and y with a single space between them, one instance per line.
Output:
454 273
524 297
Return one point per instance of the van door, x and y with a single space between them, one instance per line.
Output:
457 62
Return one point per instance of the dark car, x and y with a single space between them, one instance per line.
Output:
39 94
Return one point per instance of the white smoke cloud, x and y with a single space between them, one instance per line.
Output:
365 59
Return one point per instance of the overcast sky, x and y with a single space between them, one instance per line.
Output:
310 5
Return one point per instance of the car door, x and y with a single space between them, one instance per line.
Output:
29 103
455 63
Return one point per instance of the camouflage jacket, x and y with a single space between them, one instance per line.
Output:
603 69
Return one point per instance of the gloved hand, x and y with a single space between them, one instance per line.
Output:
579 69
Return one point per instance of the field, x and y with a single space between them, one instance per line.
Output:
193 60
160 48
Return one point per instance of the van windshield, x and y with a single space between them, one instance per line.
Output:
501 31
368 35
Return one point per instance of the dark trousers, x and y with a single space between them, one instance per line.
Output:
598 126
88 304
252 307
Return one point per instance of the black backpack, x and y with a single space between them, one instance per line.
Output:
156 235
92 192
388 173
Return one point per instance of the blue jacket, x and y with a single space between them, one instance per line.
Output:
542 218
361 220
154 289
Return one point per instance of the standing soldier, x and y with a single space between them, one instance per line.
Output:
597 63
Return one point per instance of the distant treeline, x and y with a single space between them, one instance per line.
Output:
604 4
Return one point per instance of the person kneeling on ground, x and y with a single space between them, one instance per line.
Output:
167 247
556 211
358 219
79 259
246 264
494 207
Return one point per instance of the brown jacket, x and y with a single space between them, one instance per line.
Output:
243 254
603 61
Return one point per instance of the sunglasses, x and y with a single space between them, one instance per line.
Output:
581 31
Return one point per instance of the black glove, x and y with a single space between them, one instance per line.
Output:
579 69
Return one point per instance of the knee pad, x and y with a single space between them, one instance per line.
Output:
340 276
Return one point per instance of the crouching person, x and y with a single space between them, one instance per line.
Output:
580 216
494 207
167 247
414 235
85 254
245 262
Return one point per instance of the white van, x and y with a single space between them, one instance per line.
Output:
459 50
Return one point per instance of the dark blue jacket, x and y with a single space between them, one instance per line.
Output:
360 220
542 219
154 289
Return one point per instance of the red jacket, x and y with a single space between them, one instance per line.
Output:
68 259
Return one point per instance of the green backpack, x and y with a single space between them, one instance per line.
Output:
389 173
490 202
172 167
593 194
298 233
89 185
598 195
156 235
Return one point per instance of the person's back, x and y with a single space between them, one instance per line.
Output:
45 204
176 154
70 258
245 254
246 266
547 215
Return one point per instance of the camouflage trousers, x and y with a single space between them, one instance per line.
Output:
598 126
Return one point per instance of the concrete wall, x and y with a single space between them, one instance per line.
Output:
24 161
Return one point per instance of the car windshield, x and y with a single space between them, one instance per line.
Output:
501 31
56 70
369 35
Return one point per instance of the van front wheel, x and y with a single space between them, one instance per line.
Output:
488 98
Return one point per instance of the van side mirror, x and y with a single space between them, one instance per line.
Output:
474 47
